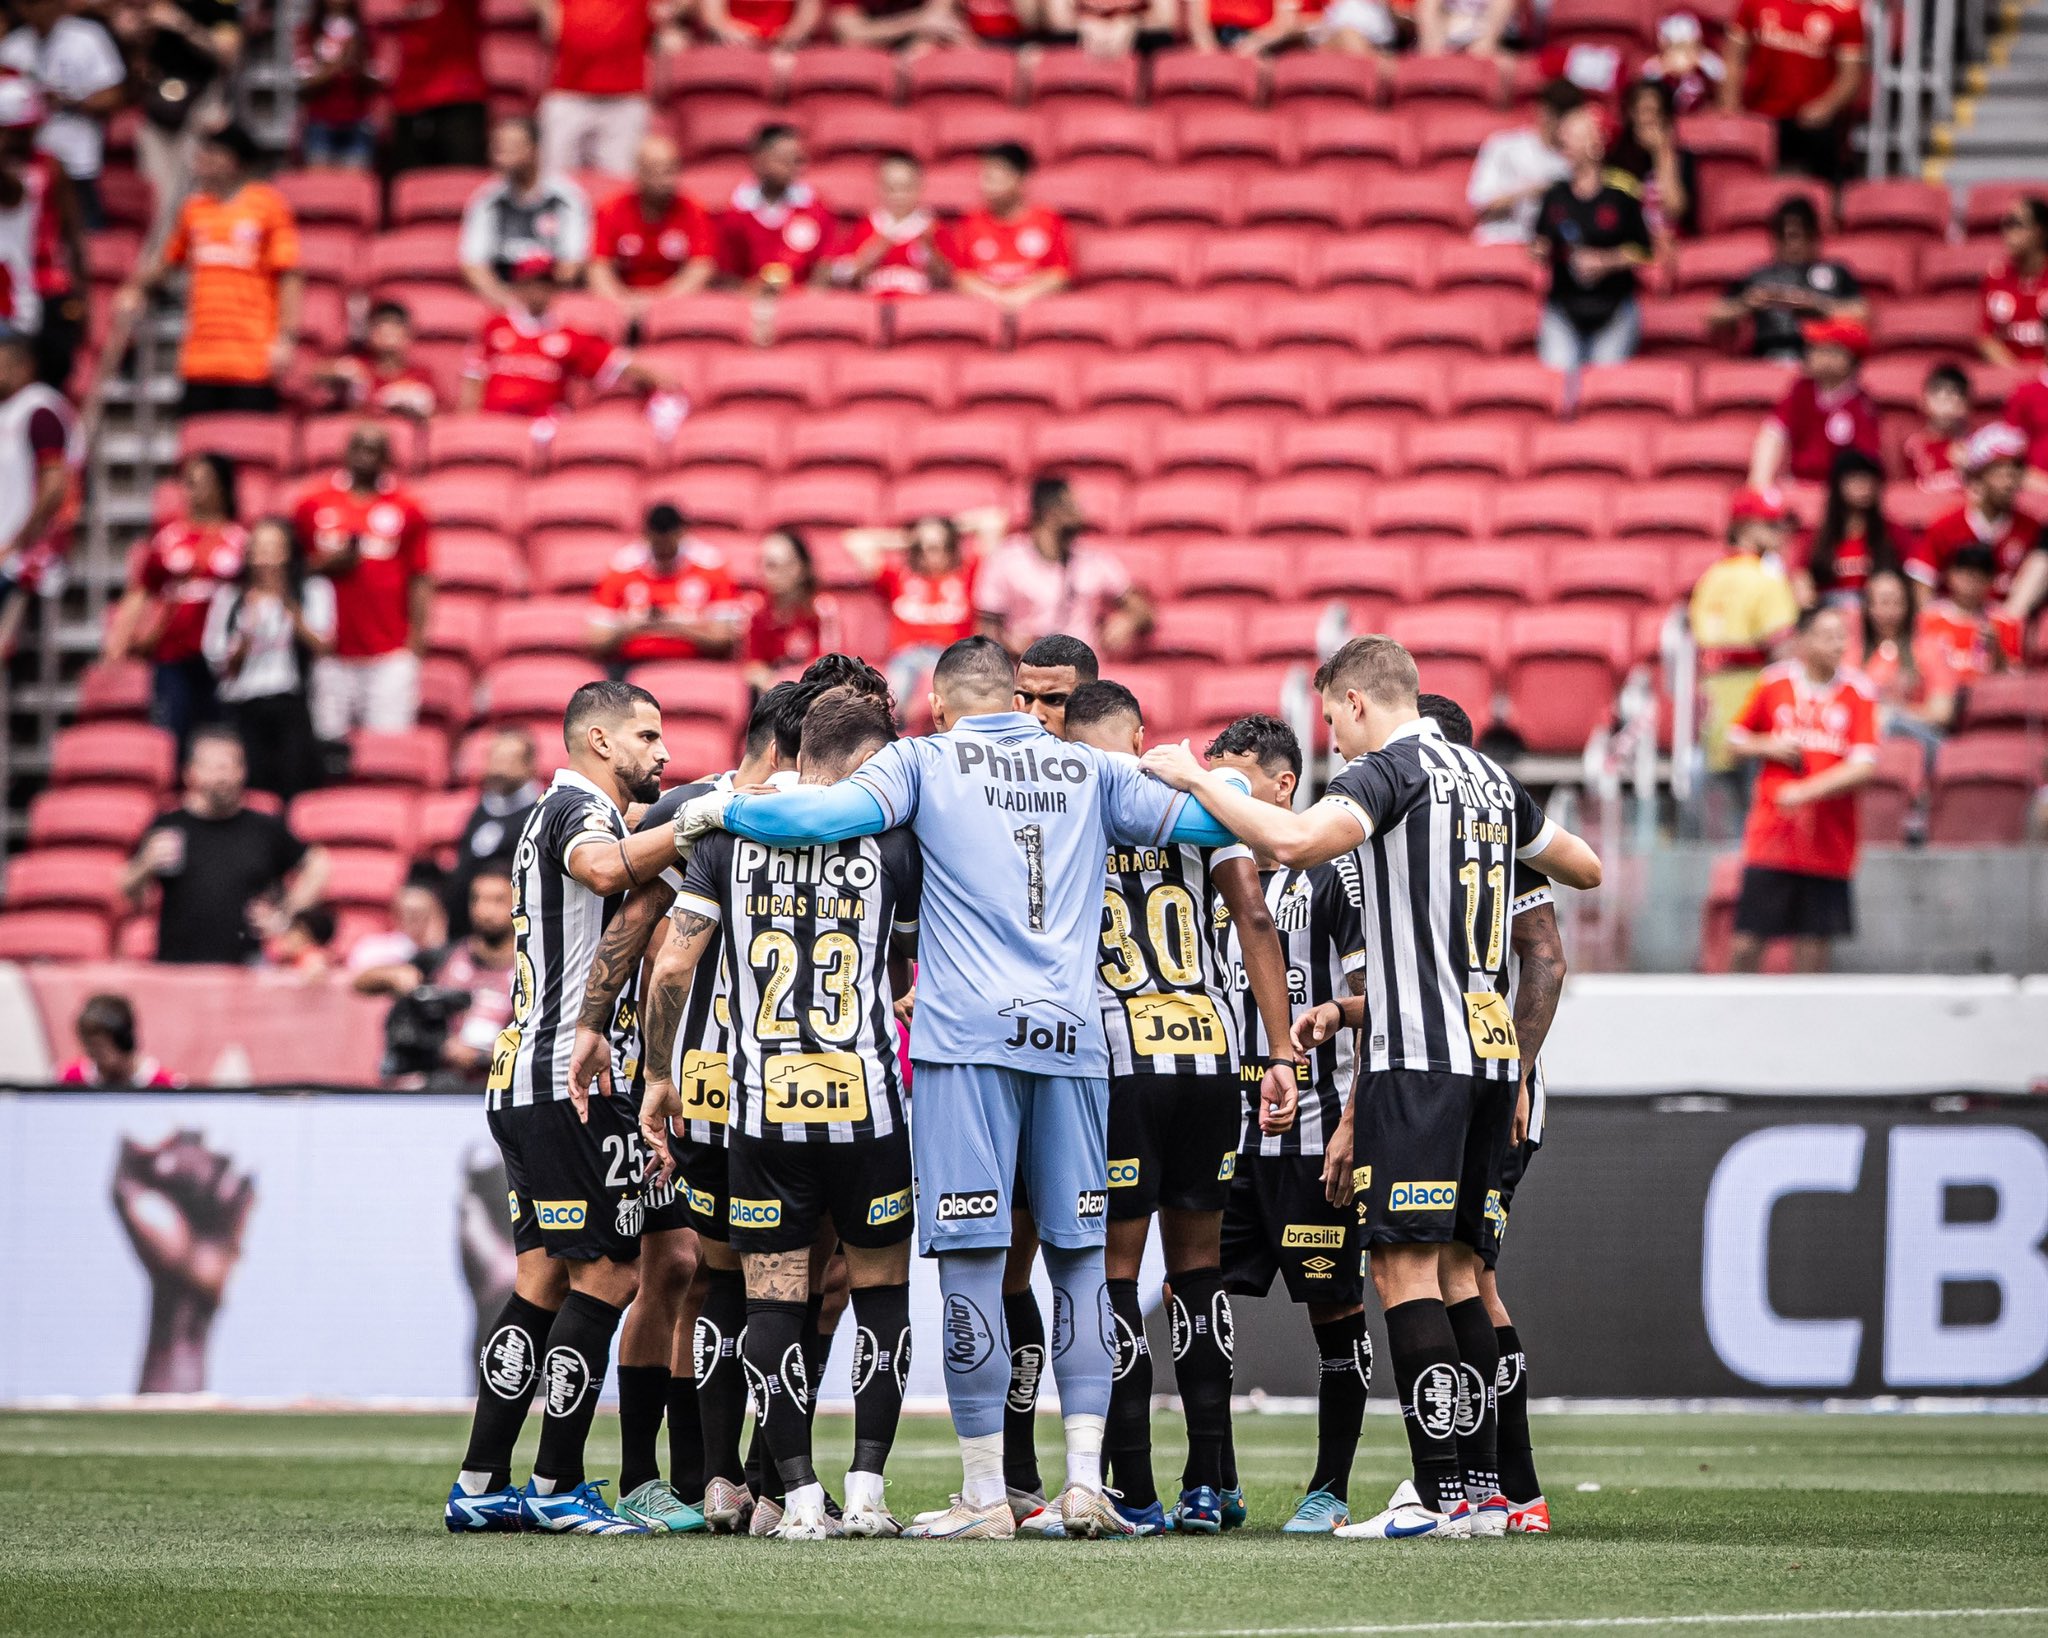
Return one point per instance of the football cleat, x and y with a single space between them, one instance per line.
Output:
725 1503
1490 1517
1529 1518
1199 1512
804 1524
658 1507
1149 1520
578 1512
962 1522
1320 1514
1406 1519
871 1522
1234 1511
1035 1516
486 1510
765 1518
1088 1514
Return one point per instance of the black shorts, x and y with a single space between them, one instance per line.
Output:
1428 1151
782 1192
1172 1142
1512 1170
700 1170
454 133
666 1206
575 1188
1792 904
1279 1221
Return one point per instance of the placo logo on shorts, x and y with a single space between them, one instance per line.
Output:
1123 1174
1312 1236
967 1208
754 1213
886 1208
512 1200
1090 1203
1422 1196
1497 1215
561 1216
702 1202
1228 1170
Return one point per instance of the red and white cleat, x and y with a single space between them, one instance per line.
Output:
1529 1518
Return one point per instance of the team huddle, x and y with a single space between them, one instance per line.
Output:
1137 984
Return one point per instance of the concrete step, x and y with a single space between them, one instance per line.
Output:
1966 170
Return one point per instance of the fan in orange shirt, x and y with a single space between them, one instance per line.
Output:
242 306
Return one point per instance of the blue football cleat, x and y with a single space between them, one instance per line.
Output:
487 1510
1234 1512
1149 1520
1199 1512
578 1512
1320 1514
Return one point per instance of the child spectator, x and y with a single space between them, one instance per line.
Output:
760 23
927 579
1971 636
337 88
774 233
1853 541
1667 174
790 622
1825 411
1010 251
893 250
381 376
1790 290
110 1058
1741 606
263 635
652 241
1590 229
1514 169
306 946
1801 63
1933 450
2015 293
525 358
1909 668
1691 73
667 598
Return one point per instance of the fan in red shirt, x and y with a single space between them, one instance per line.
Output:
595 110
893 250
774 232
789 621
653 241
438 91
1812 727
1010 251
785 23
667 598
926 578
1825 411
1991 517
1973 637
109 1056
525 358
892 23
1933 450
2013 305
382 376
1801 63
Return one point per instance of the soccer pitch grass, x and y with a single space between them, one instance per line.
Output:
215 1524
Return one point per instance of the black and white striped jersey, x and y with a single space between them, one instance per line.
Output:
556 923
1532 888
805 933
1315 912
1161 979
700 1068
1444 827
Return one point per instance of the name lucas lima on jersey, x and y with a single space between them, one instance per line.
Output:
815 868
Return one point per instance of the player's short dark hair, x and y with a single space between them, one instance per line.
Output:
605 701
110 1015
774 131
978 666
1448 715
1808 615
842 723
1266 740
1378 667
1099 701
1947 375
1059 649
837 670
390 310
1797 209
765 719
1013 154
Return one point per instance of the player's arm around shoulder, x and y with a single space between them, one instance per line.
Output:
1330 828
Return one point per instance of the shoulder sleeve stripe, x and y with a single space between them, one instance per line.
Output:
1541 840
889 813
697 904
1534 899
1338 799
582 836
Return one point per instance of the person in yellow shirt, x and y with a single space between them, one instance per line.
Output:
1741 606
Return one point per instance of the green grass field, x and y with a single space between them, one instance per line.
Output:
223 1524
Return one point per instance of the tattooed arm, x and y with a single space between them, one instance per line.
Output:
661 1017
618 958
1539 952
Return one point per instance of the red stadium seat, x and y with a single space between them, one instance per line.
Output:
1897 205
1456 132
605 435
504 441
1747 385
53 935
1282 632
1672 507
440 819
1564 666
1219 697
1219 319
1552 506
1153 255
1315 196
946 318
348 197
459 628
1324 76
1720 446
479 560
1945 268
1254 568
1421 196
1241 442
1256 256
1232 133
79 878
1404 258
1311 503
412 756
1117 440
914 378
1748 139
260 441
1983 786
1617 22
366 878
1095 192
1887 802
1587 446
958 72
90 816
1716 262
1460 262
1351 134
113 753
1340 319
1465 319
840 499
1287 381
1360 443
989 439
1505 384
1457 649
1164 378
1943 323
1647 384
821 71
1207 195
114 688
1415 383
1430 506
1500 572
783 376
735 437
1087 128
948 494
1449 76
708 69
715 498
1207 76
2012 699
1195 631
574 560
540 625
425 254
1492 444
357 817
1987 202
710 315
1747 202
434 195
706 690
863 130
846 439
530 686
961 133
1068 72
1382 571
1076 316
580 498
1638 574
445 692
1045 378
1208 503
1885 263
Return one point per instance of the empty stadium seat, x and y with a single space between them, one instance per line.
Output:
114 688
54 935
357 816
1564 666
1456 649
2012 699
90 816
1241 442
113 753
411 756
1897 205
705 690
78 878
347 197
1579 446
1983 786
365 878
1887 802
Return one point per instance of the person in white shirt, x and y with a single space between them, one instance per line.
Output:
262 633
1514 169
522 212
83 78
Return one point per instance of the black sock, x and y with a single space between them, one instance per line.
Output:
781 1376
817 1346
721 1383
507 1372
1026 1326
643 1397
1201 1364
1426 1375
1345 1380
685 1440
1230 1459
1478 1421
881 1365
1127 1437
1518 1479
572 1371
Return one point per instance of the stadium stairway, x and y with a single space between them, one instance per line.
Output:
2000 129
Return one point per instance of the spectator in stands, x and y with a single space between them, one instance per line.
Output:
1047 579
1692 74
454 998
669 598
490 836
1973 636
1665 173
1933 450
304 946
41 451
42 237
228 875
789 621
1118 28
110 1058
1790 290
892 23
1740 608
1801 63
785 24
382 375
2014 317
926 576
1812 726
525 359
1478 28
594 112
1590 228
2026 410
1854 540
1990 515
369 537
1824 412
652 241
83 78
337 88
242 299
1909 669
181 55
1250 28
522 215
264 634
171 583
893 250
438 90
1514 169
388 963
1010 251
775 231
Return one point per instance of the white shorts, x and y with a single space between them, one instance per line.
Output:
1370 19
382 694
586 133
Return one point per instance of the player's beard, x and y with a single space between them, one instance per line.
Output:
643 784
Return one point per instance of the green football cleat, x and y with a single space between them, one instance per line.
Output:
1320 1514
1234 1510
658 1507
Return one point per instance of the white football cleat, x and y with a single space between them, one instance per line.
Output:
1406 1519
1090 1514
877 1521
963 1522
1490 1517
811 1523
